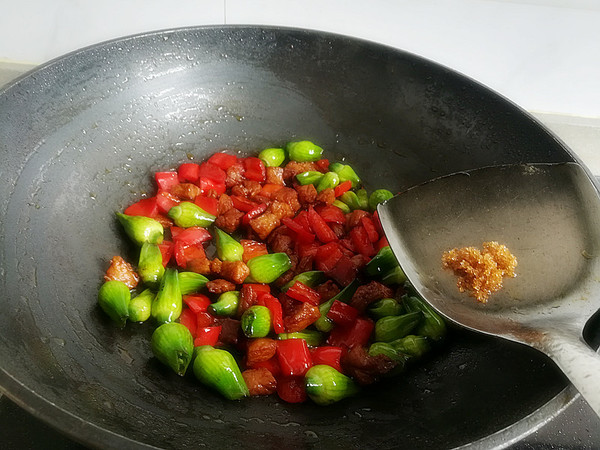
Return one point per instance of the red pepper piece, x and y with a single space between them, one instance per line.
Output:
301 292
322 165
211 172
274 306
320 227
165 201
254 169
342 187
331 214
197 303
207 336
208 204
300 233
243 204
206 185
204 319
166 180
302 219
327 256
272 365
188 318
370 228
358 333
191 235
328 355
294 357
258 288
342 313
145 207
189 172
383 242
291 389
257 211
166 250
361 241
185 253
223 160
377 223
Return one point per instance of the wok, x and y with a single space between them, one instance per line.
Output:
80 138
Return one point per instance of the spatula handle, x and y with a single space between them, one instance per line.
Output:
579 363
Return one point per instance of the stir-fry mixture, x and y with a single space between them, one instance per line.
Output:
481 272
269 274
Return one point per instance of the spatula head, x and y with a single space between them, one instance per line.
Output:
547 215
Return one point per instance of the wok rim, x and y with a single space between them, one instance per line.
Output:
90 434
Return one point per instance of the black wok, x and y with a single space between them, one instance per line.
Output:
79 139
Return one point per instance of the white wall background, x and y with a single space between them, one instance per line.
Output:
542 54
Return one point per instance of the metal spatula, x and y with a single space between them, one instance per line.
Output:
549 218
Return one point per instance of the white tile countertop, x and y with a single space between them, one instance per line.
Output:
542 54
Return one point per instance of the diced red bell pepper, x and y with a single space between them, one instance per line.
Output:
165 201
204 319
197 303
328 355
342 314
191 235
207 336
301 292
361 241
322 165
175 231
294 357
358 333
320 227
347 245
145 207
185 253
166 180
272 365
274 306
211 172
331 214
254 169
327 256
257 211
300 233
344 270
208 204
291 389
302 219
252 249
243 204
188 318
166 250
269 189
223 160
342 187
383 242
370 228
258 288
206 185
189 172
377 223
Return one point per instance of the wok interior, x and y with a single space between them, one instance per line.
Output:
81 138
